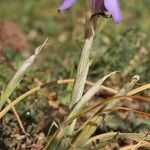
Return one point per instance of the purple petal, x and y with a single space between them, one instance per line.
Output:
93 5
98 6
66 4
113 7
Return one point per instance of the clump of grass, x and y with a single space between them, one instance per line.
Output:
69 135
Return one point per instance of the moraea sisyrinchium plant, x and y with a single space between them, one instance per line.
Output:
98 6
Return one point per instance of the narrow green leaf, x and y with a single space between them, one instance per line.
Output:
10 87
89 94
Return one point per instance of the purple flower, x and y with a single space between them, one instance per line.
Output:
98 6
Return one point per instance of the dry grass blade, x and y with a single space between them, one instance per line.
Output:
130 109
17 100
141 98
114 135
139 89
108 89
130 147
98 119
17 116
126 88
100 104
138 145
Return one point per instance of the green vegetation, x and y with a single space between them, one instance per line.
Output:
124 48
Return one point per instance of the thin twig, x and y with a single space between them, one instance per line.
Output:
17 116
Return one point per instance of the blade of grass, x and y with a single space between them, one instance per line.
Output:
114 135
81 75
126 88
141 98
85 98
88 95
139 144
10 87
97 120
130 109
98 110
142 145
17 117
139 89
17 100
105 88
99 104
